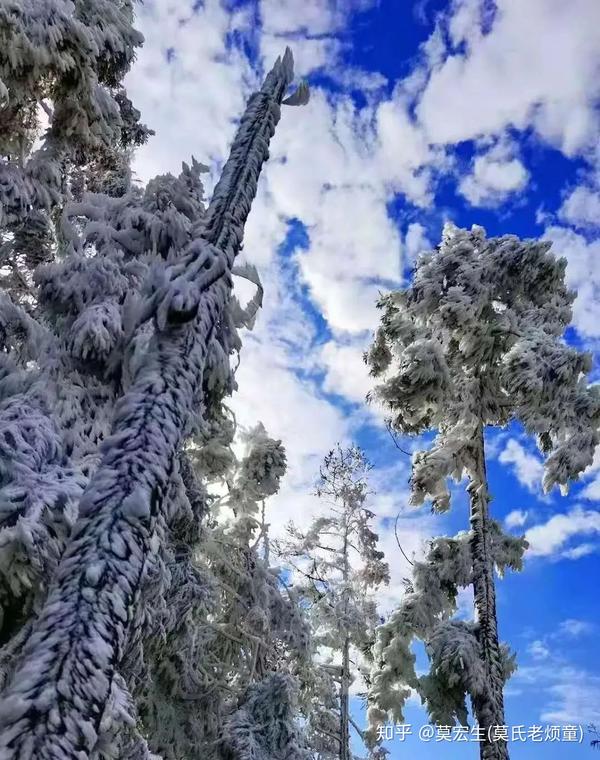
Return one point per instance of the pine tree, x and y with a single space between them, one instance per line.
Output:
242 630
117 355
66 59
474 342
338 568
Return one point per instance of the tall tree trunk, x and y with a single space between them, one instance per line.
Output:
489 706
345 703
67 695
345 681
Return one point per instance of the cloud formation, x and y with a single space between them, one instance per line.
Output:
558 85
550 539
527 468
493 179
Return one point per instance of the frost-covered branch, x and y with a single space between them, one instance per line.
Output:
67 691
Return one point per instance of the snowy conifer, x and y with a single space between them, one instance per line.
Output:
474 342
337 569
242 631
117 353
264 727
62 111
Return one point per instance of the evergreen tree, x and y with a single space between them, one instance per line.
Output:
117 354
242 630
61 62
338 568
474 342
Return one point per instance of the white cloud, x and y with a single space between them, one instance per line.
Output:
538 650
577 552
325 171
293 410
348 263
336 168
493 179
363 81
528 469
516 519
309 54
348 303
310 28
415 242
575 628
582 207
575 698
193 101
465 23
550 538
552 645
571 694
505 79
403 157
310 17
552 677
346 372
592 490
583 275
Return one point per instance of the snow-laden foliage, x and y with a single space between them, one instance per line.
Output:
61 66
61 391
119 356
475 341
337 569
477 336
209 654
263 728
426 613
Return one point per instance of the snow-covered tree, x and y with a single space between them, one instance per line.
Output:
264 728
474 342
337 569
244 631
117 354
63 111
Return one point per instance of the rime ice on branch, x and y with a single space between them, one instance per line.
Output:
475 341
66 59
67 696
243 635
337 569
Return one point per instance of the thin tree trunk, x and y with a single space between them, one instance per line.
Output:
265 534
345 703
345 681
489 706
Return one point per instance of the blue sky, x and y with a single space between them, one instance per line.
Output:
476 111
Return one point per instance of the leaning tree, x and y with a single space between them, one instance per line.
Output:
474 343
116 349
